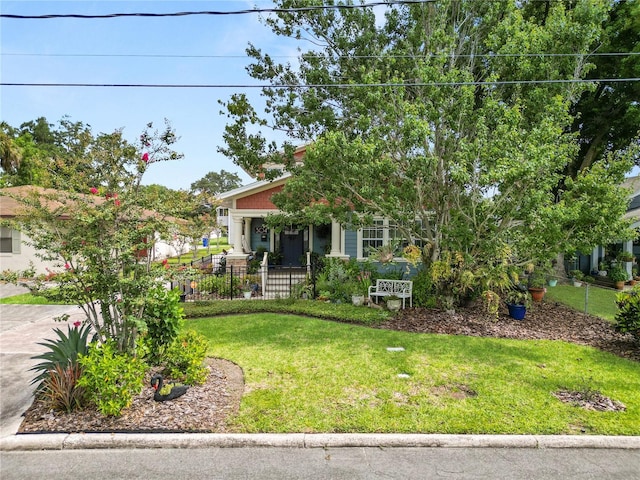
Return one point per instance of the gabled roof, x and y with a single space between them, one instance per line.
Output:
252 188
10 206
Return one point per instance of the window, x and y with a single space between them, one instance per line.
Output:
383 232
9 240
372 237
223 212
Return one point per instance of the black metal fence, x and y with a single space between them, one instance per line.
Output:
230 282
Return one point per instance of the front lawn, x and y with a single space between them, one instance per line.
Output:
310 375
600 301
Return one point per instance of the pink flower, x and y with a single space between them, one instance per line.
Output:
67 266
77 323
117 203
94 190
145 157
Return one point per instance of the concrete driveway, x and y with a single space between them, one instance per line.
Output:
21 328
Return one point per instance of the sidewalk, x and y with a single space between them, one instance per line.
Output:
23 326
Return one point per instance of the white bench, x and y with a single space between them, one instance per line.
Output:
400 288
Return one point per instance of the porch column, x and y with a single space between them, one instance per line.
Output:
336 240
247 234
594 259
237 234
628 247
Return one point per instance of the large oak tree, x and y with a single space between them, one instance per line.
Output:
449 118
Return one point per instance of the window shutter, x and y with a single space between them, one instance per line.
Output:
15 241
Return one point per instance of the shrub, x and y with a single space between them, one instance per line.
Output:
628 317
111 379
164 317
220 284
62 352
60 388
423 290
185 358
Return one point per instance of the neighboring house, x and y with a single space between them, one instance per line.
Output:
17 255
591 261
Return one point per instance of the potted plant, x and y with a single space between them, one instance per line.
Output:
357 297
536 286
625 257
602 269
619 275
517 300
576 277
393 303
247 290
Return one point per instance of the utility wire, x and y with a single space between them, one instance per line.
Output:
309 8
339 85
481 55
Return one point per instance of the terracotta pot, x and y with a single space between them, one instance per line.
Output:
620 285
537 294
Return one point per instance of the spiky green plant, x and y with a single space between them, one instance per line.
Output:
62 352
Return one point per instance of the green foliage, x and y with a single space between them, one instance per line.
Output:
111 379
214 183
185 357
628 317
60 388
164 317
452 278
62 352
423 289
102 251
451 163
340 279
220 284
618 273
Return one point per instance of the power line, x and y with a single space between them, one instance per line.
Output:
481 55
340 85
214 12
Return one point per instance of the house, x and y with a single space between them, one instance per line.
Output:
247 207
16 253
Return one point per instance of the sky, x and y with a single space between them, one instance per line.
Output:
167 50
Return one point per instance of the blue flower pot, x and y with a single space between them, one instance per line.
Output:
517 311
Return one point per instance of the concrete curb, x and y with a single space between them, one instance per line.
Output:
82 441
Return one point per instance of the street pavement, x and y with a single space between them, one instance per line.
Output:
269 456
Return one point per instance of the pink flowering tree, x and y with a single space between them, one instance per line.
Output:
100 230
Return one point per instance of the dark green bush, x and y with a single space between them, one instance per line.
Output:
220 284
164 316
628 317
424 293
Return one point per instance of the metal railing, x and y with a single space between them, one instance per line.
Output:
238 282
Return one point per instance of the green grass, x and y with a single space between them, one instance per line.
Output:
601 301
310 375
27 299
342 312
213 249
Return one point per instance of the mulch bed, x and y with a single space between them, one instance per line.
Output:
544 321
